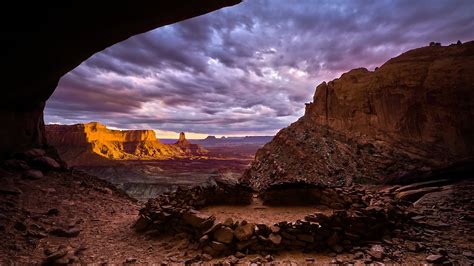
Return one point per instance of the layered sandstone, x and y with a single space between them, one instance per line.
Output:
93 142
411 115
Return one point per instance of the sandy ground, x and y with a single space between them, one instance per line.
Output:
258 213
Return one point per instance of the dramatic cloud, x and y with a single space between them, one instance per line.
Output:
247 69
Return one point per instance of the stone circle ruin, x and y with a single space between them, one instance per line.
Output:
356 216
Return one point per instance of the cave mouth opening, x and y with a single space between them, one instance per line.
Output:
118 95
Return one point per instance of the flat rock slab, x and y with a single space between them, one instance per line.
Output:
432 183
414 195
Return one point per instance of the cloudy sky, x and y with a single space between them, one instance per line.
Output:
247 69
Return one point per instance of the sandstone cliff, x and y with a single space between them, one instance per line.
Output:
94 143
411 115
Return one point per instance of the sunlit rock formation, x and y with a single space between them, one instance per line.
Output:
93 142
409 117
188 148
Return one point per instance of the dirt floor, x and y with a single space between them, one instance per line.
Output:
34 212
258 213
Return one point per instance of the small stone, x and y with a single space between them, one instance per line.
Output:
32 153
269 258
206 257
411 246
275 238
239 255
468 254
55 256
10 190
142 223
232 260
33 174
204 239
16 164
73 232
435 258
130 260
337 248
46 162
244 231
218 246
305 238
197 219
442 251
228 222
275 229
224 235
52 212
212 229
376 252
358 255
20 226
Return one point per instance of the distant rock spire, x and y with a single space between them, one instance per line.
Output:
182 141
182 137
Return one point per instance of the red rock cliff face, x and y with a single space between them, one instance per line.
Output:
94 143
412 114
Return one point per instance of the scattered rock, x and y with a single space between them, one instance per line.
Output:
52 212
16 164
73 232
130 260
414 195
358 255
33 174
239 255
33 153
45 162
206 257
218 246
305 237
435 258
376 252
468 254
10 190
269 258
244 231
142 223
229 222
197 219
20 226
275 238
55 256
224 235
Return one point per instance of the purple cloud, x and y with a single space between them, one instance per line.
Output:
250 68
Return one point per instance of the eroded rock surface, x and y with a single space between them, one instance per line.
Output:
408 117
